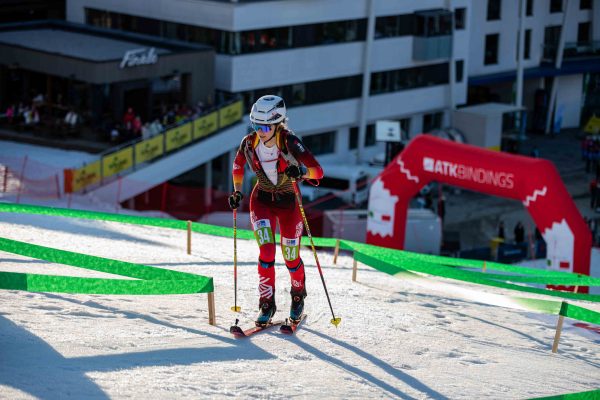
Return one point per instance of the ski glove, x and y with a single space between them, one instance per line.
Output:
235 199
295 171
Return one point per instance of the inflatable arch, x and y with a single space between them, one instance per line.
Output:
535 182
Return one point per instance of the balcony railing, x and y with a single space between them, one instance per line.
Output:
573 50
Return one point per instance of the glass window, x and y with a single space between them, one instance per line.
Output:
491 49
556 6
409 78
494 9
394 25
585 4
353 138
583 32
433 23
321 143
432 121
526 45
459 69
369 136
529 8
460 18
405 128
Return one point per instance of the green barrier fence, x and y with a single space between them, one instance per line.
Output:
390 261
591 395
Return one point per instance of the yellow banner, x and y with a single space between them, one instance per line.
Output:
85 176
149 149
179 136
206 125
593 125
230 114
116 162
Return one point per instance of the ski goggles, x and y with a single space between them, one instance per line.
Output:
261 127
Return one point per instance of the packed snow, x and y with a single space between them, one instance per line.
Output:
400 337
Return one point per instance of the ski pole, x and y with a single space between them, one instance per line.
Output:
235 307
335 321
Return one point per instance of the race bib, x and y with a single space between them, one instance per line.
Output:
290 248
263 232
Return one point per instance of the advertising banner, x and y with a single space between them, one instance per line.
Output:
230 114
206 125
116 162
534 182
178 136
149 149
77 179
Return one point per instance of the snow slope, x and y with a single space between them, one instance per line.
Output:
399 338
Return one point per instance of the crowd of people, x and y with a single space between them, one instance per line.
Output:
132 127
37 113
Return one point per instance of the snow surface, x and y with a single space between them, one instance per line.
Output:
399 337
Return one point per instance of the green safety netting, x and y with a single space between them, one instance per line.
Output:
390 261
591 395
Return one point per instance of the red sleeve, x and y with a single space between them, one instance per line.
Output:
305 157
238 164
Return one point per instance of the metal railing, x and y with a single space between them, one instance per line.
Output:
129 156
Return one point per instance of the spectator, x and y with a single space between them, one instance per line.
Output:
71 119
597 203
501 234
519 233
146 132
535 152
156 127
10 113
128 119
441 208
136 127
115 135
199 108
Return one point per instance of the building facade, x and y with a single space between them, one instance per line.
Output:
339 64
342 65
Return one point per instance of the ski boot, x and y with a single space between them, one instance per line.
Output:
297 304
267 310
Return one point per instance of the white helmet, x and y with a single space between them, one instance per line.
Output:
268 110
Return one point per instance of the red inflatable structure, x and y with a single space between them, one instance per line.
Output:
535 182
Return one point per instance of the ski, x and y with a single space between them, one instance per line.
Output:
289 328
238 332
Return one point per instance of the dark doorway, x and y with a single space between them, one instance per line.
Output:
138 100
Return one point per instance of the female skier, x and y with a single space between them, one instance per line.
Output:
276 156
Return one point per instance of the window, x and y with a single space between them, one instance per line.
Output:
432 121
585 4
405 128
321 143
494 8
433 23
459 18
556 6
491 49
394 25
526 45
459 66
583 32
369 136
529 8
226 42
409 78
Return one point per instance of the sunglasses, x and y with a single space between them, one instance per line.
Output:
264 128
